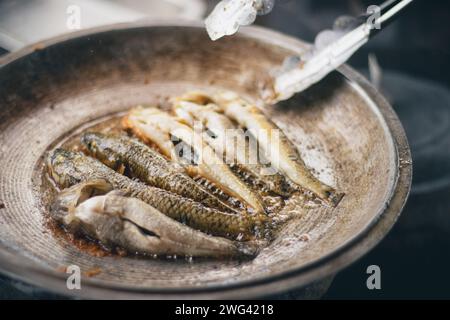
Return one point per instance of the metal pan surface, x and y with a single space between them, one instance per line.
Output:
344 129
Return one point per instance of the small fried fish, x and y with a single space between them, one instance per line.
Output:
282 153
116 220
228 140
127 155
158 126
68 168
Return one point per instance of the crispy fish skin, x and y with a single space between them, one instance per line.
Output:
139 161
228 139
152 123
134 225
68 168
285 154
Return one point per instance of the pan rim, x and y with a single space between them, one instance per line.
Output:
320 268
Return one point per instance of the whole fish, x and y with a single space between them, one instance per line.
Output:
282 153
116 220
127 155
158 126
228 140
68 168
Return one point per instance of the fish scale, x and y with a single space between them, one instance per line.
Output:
159 126
148 166
281 151
191 107
94 209
68 168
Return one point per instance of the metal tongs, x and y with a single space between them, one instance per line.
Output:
331 49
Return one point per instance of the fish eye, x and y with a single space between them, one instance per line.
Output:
91 144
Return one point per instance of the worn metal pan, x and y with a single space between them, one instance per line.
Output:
346 131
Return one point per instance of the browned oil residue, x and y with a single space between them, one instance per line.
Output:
92 272
62 269
80 241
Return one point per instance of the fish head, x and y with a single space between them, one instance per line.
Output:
61 166
94 142
101 146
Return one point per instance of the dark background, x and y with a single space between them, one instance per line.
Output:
414 56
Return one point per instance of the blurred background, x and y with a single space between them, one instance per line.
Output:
410 64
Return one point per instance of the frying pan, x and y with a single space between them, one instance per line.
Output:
343 128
